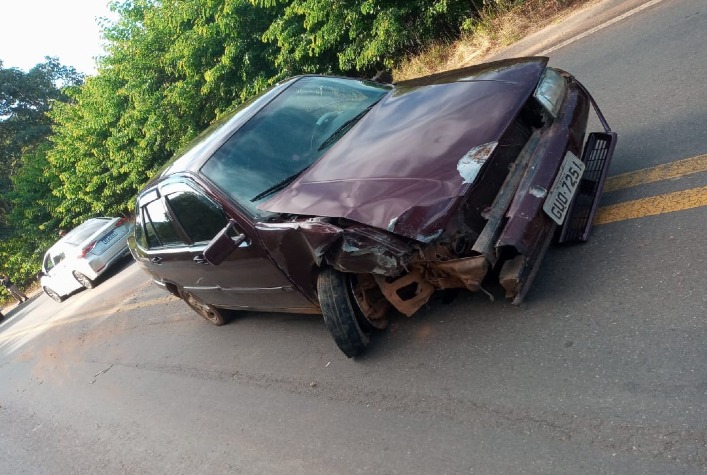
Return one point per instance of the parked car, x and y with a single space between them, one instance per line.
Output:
356 199
83 254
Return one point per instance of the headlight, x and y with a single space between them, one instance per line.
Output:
551 90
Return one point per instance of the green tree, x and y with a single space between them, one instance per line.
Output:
32 216
32 200
26 201
359 36
25 99
87 178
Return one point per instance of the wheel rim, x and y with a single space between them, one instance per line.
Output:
369 304
83 280
53 295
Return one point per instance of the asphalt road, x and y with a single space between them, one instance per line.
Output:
602 370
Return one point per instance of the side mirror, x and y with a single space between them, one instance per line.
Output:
223 245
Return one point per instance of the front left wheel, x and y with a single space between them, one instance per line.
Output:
336 301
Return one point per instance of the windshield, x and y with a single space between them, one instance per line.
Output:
288 135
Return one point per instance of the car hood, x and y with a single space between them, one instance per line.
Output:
400 167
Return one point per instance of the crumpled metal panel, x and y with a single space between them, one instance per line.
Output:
299 247
365 250
434 269
467 272
527 223
413 286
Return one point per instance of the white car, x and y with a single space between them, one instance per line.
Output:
83 254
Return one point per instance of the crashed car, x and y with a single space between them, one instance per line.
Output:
359 200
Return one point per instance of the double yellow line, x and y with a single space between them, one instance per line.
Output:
666 203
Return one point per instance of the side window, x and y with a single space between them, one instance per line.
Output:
158 227
140 221
58 258
48 263
52 260
200 217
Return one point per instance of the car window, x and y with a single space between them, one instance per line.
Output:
140 237
220 129
48 263
85 230
158 227
52 259
288 135
200 218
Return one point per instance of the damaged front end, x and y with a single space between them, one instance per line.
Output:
388 270
500 227
407 273
498 224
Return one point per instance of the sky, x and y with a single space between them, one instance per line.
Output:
67 29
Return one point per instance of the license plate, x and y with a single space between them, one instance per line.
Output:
563 189
108 237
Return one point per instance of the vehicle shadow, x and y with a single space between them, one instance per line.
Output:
115 269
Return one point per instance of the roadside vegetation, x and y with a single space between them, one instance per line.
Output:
74 147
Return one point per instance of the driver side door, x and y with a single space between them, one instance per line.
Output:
247 279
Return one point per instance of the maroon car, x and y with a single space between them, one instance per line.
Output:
357 200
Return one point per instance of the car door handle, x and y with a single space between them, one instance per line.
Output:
200 259
156 260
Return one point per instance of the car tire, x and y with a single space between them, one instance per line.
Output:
210 313
52 294
337 308
83 280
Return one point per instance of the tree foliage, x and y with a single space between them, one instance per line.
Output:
359 36
24 100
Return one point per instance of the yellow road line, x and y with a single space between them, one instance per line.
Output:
661 172
666 203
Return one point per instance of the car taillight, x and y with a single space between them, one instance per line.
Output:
120 222
87 249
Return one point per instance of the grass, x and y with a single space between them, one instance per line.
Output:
499 25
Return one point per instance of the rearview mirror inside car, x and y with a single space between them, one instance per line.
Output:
223 244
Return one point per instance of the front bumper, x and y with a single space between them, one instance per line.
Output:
518 230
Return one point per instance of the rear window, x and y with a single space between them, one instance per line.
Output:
82 232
